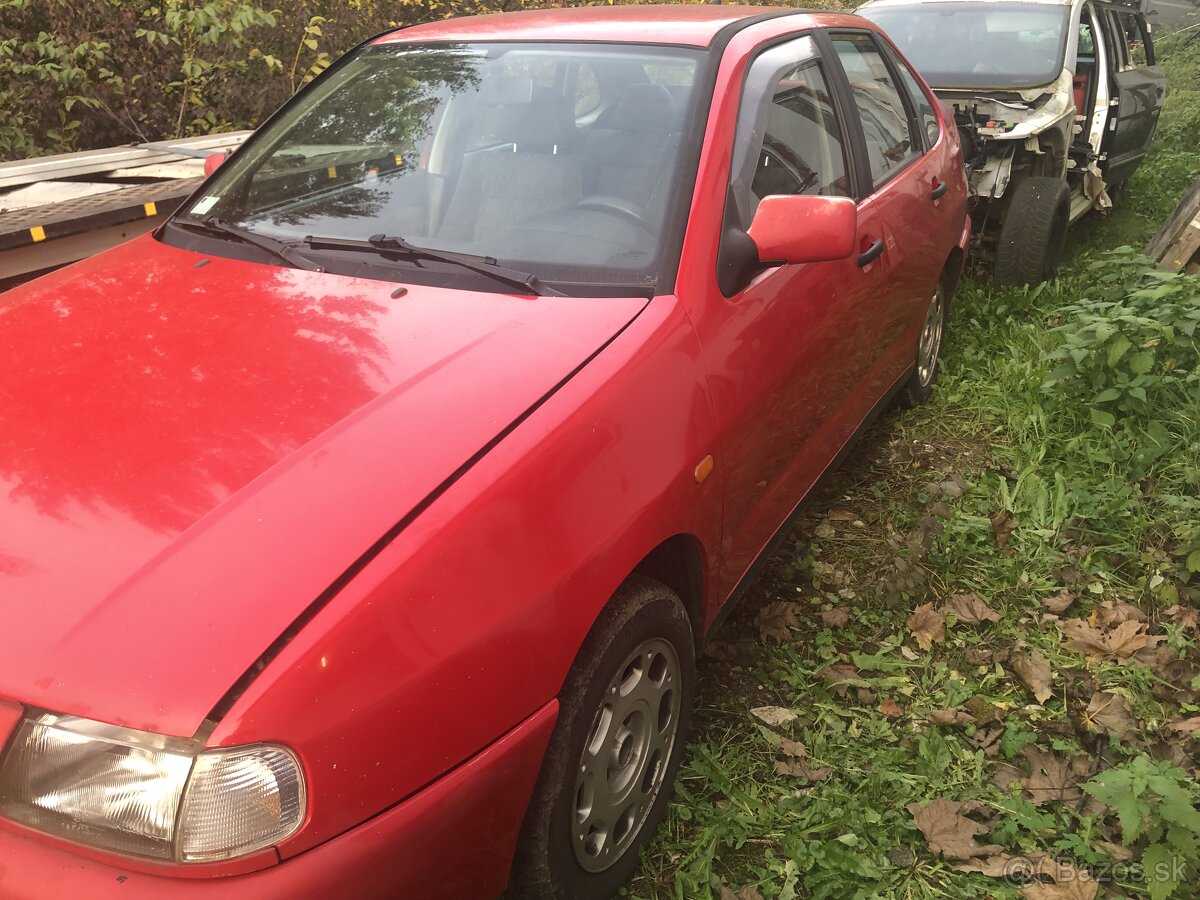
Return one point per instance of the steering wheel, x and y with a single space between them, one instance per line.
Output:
618 206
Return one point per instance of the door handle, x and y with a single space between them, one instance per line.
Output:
939 188
871 254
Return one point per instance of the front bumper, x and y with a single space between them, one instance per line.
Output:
453 839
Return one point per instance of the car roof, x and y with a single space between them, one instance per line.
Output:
689 24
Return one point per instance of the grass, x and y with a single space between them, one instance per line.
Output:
1102 500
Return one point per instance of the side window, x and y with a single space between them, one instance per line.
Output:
890 144
789 139
1129 32
927 120
1114 39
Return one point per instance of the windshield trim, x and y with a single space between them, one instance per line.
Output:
912 8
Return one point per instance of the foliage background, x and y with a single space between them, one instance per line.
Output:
80 74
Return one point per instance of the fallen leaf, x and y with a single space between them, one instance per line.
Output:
792 748
951 489
1112 713
1013 868
969 609
722 651
835 618
1033 671
1116 851
773 715
1186 617
776 620
988 740
749 892
982 710
927 625
948 832
802 770
1059 602
1114 612
1051 777
1069 883
836 675
1121 642
1186 726
891 709
1003 524
940 509
866 696
950 717
824 531
841 514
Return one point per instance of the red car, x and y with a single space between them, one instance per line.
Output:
359 527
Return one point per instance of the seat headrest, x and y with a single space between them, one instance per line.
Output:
545 122
645 107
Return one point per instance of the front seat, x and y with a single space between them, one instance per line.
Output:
629 151
528 175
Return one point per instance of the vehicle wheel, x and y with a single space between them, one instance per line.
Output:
1034 232
608 771
929 349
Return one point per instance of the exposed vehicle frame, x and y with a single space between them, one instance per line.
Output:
1039 157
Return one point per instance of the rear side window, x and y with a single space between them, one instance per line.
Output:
1134 53
926 119
890 144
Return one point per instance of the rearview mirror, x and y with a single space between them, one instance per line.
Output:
798 228
212 162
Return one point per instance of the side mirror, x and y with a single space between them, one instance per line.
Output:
212 162
798 228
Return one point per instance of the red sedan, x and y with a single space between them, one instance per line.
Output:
360 526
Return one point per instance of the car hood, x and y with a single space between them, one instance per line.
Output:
193 450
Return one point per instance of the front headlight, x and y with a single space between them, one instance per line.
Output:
145 794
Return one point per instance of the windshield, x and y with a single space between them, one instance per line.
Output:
1000 45
555 159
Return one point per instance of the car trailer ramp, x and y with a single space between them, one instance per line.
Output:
58 209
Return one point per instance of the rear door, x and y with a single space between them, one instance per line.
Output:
908 184
1139 86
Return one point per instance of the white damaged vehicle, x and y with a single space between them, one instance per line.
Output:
1056 103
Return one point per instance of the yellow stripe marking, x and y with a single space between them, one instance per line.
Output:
331 171
150 208
38 233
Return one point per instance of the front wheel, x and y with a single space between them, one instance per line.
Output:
608 771
1034 233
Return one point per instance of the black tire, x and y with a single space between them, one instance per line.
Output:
919 386
547 864
1034 232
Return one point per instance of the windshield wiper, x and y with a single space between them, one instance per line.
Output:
484 265
279 249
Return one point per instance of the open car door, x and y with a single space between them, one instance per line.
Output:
1139 86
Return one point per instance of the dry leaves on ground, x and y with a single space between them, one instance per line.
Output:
1186 726
891 709
1051 777
950 717
1003 524
1120 642
927 625
969 609
1186 617
1111 712
1059 602
1033 671
749 892
948 832
835 677
800 769
773 715
1114 612
776 620
835 618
